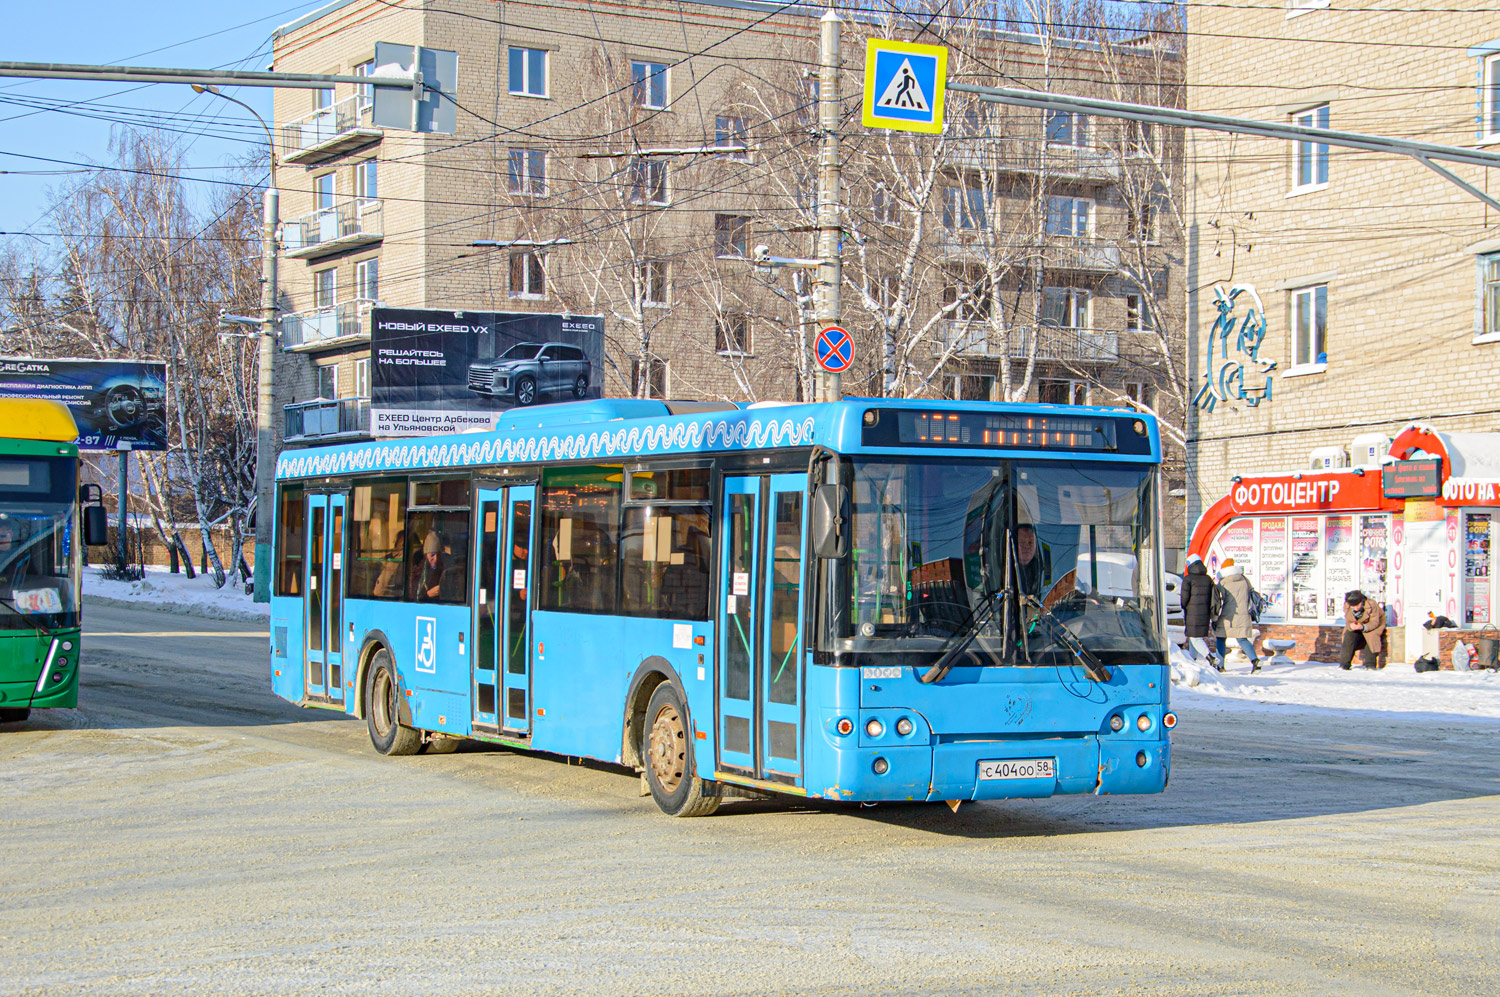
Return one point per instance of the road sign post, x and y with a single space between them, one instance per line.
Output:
904 86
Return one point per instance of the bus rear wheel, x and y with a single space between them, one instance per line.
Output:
668 751
382 709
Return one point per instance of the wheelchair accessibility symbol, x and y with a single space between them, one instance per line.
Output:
426 644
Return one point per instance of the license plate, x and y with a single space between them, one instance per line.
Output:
1018 768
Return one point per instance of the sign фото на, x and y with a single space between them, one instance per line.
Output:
436 372
112 401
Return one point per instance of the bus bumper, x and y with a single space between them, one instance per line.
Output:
40 684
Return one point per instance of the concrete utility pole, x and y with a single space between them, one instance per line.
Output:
830 226
265 429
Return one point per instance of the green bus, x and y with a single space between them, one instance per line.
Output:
40 556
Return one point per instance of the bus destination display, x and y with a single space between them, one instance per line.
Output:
1003 430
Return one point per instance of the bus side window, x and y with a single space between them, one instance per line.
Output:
439 556
378 540
291 541
665 553
579 539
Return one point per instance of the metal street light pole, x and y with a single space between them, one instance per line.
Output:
265 430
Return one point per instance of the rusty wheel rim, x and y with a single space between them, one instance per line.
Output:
668 748
383 702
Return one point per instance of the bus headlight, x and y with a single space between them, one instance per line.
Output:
67 645
903 726
880 766
1116 723
1143 722
874 727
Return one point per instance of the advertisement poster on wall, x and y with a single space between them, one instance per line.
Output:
1238 541
114 402
1273 569
1340 563
1305 568
436 372
1477 568
1374 545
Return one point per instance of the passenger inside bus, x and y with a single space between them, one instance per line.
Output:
436 578
388 582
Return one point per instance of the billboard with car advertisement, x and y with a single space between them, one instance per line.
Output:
437 372
112 401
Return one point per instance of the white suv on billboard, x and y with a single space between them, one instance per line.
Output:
527 371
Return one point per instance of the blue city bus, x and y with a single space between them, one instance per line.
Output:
868 600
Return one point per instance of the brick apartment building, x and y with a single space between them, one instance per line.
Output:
1020 250
1379 284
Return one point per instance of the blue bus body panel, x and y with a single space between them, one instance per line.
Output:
582 674
426 641
287 672
616 429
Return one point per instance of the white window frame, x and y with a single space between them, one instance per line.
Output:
527 259
646 367
645 79
1296 298
1078 130
363 271
1303 151
332 298
325 192
964 207
531 179
328 373
723 341
885 206
1138 392
953 386
1081 305
1139 322
365 91
726 226
362 378
648 180
652 271
1079 212
736 132
1078 391
1489 99
1135 215
1487 322
367 181
528 85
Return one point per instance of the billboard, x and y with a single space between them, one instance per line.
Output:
113 401
436 372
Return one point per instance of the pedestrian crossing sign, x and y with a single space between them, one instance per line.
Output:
904 84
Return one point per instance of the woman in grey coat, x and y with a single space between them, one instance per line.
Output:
1234 621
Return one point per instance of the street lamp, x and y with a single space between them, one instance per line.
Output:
265 433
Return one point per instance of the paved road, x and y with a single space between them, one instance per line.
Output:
186 832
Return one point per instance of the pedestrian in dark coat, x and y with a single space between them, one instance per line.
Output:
1364 630
1197 608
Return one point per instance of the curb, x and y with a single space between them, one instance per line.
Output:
182 609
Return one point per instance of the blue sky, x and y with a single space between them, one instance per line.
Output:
134 32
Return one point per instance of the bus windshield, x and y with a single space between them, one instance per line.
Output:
38 551
1069 543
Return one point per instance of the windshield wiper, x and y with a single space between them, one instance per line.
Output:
1068 639
978 620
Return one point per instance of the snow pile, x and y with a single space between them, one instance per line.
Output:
160 589
1398 688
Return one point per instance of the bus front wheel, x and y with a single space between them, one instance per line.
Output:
668 751
14 715
382 709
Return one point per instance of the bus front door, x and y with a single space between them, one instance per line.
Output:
502 663
760 618
323 602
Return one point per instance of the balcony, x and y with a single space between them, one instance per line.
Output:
329 132
1032 156
326 419
1081 253
1060 252
325 327
354 222
974 338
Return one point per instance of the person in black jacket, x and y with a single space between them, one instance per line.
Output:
1197 610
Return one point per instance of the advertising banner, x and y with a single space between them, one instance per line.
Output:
436 372
1305 574
1340 563
1273 569
1477 568
1238 541
1374 545
112 401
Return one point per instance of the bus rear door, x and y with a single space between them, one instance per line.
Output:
760 614
502 659
323 600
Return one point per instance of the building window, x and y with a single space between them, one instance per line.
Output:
967 293
366 183
323 192
648 82
1060 392
732 334
528 274
1140 138
731 235
969 387
1489 99
367 280
1489 292
362 378
1067 128
888 290
652 372
328 381
885 207
1310 159
365 91
648 181
653 278
322 98
1065 307
963 206
1139 394
1069 216
730 130
1136 317
527 171
1310 326
325 288
528 72
1140 221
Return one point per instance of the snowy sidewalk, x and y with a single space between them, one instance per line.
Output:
1397 688
162 590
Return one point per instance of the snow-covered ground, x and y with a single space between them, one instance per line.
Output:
161 589
1397 688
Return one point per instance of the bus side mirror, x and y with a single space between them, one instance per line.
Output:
95 526
90 494
830 521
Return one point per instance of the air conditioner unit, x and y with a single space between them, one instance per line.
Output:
1368 449
1328 459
